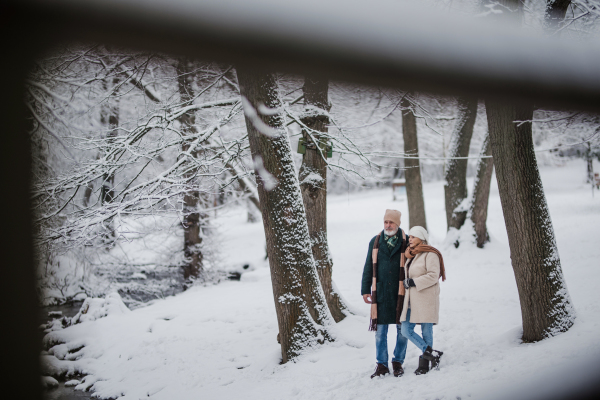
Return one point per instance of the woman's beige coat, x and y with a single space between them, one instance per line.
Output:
425 297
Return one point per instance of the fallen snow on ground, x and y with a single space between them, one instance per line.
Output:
220 341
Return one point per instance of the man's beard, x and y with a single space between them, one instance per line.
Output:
391 232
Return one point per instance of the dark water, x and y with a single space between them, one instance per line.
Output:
62 392
66 310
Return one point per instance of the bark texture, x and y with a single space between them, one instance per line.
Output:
589 160
545 302
481 194
192 218
555 14
455 188
414 185
313 185
302 312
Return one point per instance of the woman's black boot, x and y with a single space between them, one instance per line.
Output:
423 366
434 358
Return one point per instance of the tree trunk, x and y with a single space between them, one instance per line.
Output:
589 158
545 302
481 194
300 303
455 188
555 14
109 117
193 220
313 185
414 186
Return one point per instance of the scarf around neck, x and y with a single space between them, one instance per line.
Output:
423 248
391 240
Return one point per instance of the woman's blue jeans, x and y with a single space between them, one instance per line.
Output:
408 331
381 347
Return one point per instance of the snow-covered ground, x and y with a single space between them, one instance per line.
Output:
219 341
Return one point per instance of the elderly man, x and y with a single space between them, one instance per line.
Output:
380 288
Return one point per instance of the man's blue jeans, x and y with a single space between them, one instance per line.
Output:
408 330
381 346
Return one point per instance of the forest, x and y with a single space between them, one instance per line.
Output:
213 213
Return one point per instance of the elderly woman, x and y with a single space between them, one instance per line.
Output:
423 269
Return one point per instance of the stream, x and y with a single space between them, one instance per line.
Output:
48 313
134 295
62 392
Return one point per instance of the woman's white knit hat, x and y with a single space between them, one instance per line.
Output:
419 232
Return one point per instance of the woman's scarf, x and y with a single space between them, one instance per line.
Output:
411 252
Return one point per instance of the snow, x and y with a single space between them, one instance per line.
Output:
49 382
219 341
312 178
269 181
92 308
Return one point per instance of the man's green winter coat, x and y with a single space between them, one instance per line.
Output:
388 278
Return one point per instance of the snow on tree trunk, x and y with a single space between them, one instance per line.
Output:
302 312
555 14
414 185
192 218
313 185
481 194
455 188
545 302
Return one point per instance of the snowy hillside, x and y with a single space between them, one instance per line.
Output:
220 341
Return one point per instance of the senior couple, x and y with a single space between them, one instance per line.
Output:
401 282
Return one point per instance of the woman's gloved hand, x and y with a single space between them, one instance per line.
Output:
408 283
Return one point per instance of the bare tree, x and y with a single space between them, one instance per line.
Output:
481 194
109 118
300 303
455 174
414 185
160 155
545 302
313 185
193 219
546 307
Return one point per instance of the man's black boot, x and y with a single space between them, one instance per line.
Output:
423 366
380 369
434 358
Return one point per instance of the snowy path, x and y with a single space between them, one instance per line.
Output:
220 341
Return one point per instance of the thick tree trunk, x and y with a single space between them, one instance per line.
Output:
300 303
414 186
455 188
313 185
193 220
109 117
481 194
555 14
545 302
